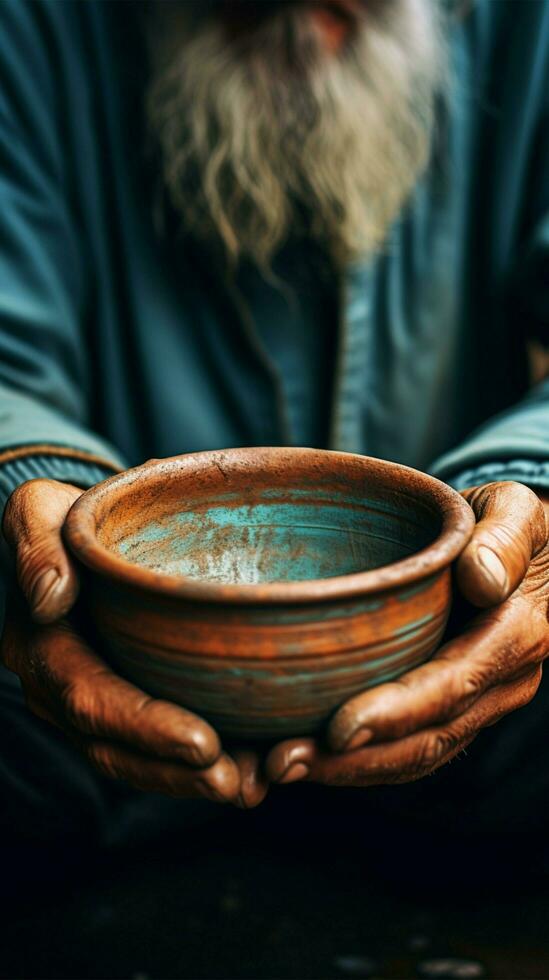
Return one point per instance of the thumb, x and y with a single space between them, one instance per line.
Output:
33 519
510 531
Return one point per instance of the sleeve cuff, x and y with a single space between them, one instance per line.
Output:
84 474
530 472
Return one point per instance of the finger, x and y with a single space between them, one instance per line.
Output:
32 524
494 647
253 782
291 761
416 755
82 693
510 531
219 783
424 752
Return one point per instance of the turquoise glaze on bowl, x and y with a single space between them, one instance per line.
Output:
263 587
278 536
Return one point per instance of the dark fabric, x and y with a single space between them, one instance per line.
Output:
75 471
296 314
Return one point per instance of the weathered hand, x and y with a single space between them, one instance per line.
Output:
406 729
153 744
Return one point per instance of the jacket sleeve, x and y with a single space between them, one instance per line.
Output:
515 444
45 379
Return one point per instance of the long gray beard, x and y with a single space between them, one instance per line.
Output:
253 150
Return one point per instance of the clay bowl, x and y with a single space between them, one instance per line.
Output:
261 588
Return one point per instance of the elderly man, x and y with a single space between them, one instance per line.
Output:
258 223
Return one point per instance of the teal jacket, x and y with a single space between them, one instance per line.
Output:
117 344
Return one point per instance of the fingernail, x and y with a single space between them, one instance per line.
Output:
298 770
191 754
213 794
493 566
361 737
43 588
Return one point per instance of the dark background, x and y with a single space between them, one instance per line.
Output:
238 899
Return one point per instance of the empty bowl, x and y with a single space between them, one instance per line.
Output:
261 588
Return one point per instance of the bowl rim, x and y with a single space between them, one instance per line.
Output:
457 527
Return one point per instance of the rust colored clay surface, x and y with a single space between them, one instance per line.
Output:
263 587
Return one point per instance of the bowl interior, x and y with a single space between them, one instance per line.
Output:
256 523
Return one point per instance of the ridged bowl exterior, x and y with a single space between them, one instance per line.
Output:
295 666
275 658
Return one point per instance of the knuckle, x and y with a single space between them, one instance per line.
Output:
24 492
147 710
103 759
526 511
34 558
521 493
150 723
436 749
34 489
80 706
530 688
171 784
433 748
503 538
197 750
33 504
21 502
512 508
528 502
516 493
473 685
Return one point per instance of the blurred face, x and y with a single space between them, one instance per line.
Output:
333 21
309 117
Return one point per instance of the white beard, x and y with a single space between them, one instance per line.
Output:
253 151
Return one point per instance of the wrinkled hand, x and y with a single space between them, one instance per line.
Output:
403 730
154 745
